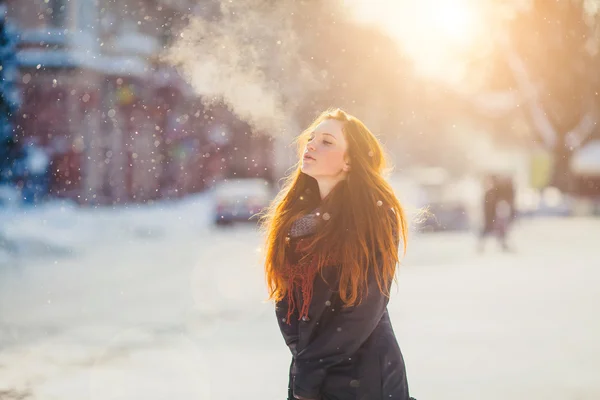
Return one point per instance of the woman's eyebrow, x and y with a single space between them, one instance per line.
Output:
323 133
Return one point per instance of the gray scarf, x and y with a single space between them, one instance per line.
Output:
306 225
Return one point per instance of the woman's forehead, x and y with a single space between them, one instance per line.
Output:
332 127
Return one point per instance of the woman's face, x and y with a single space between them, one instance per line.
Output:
325 153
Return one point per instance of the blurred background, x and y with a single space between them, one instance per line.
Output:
140 138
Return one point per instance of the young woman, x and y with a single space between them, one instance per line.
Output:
333 234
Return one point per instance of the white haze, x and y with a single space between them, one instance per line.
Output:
248 58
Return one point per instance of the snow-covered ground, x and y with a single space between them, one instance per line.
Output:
154 303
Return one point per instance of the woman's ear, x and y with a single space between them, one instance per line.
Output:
346 166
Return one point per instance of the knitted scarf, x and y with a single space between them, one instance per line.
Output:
301 268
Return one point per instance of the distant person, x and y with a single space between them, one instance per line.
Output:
498 210
37 165
333 237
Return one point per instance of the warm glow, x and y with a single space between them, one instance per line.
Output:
438 35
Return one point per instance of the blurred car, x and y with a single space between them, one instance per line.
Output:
444 217
443 201
549 201
240 200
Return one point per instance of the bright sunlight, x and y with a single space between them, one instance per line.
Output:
439 35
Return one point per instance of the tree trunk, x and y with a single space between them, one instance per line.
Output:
561 174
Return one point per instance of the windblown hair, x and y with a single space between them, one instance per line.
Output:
366 221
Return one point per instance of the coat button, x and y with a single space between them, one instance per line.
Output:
354 383
305 318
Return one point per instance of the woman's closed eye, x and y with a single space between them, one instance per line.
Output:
325 142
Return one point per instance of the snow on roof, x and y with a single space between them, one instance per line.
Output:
136 43
46 58
53 36
115 65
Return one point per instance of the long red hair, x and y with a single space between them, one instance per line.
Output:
365 217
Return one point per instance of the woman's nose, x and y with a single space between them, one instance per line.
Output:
310 146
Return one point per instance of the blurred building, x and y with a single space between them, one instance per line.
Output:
118 124
585 165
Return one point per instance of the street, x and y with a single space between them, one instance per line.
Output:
159 304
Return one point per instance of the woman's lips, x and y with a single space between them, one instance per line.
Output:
307 157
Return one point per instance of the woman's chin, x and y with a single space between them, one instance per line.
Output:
306 169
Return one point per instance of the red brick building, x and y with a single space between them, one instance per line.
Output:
118 125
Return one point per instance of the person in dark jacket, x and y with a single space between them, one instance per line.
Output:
332 247
498 209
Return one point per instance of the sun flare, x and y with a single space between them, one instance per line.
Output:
438 35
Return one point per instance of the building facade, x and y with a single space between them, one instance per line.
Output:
118 125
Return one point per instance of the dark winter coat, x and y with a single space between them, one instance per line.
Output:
343 353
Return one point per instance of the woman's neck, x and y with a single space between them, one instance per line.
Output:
326 186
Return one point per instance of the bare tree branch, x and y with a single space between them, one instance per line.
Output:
577 136
540 119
